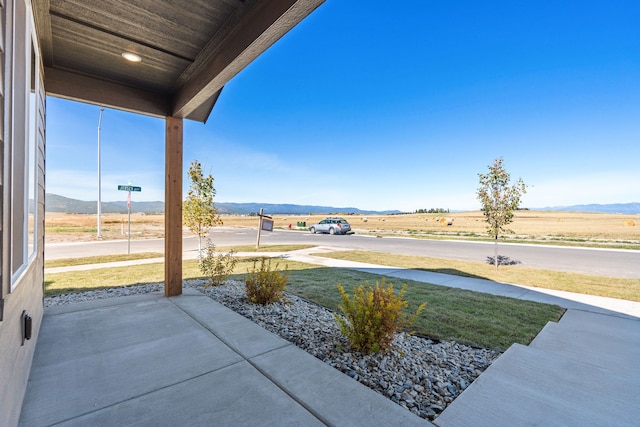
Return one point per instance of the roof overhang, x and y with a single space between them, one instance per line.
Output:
189 49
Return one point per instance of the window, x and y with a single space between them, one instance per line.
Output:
24 142
32 173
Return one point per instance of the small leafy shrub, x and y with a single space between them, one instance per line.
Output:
217 266
264 285
373 316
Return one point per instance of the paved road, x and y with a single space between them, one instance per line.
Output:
604 262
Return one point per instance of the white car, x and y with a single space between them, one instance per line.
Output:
331 226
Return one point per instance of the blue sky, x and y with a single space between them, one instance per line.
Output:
374 105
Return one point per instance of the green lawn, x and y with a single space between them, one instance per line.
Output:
465 316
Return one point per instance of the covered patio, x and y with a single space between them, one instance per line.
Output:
166 59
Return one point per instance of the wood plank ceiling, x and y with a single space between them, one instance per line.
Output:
189 49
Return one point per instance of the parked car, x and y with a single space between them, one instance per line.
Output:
331 226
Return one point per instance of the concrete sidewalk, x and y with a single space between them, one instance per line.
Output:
147 360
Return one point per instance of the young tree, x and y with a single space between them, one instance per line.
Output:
198 211
499 199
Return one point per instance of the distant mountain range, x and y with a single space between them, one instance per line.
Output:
57 203
622 208
289 209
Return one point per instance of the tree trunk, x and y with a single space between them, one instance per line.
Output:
495 254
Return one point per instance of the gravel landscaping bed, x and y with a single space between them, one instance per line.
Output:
419 374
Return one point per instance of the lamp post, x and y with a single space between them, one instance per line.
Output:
99 237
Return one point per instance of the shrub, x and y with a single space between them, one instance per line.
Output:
373 316
217 266
264 285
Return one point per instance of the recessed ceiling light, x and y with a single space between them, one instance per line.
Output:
129 56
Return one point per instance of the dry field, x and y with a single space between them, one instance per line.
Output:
527 225
62 227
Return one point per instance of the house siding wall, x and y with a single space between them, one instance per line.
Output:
28 291
15 358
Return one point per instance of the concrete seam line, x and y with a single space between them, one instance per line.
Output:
287 392
276 383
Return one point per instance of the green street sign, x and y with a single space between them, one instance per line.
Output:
129 188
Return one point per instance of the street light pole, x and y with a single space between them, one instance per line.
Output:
99 237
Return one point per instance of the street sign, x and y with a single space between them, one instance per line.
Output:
129 188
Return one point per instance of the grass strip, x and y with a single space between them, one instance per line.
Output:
612 287
469 317
100 259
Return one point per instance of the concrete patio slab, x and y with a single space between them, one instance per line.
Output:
186 360
237 395
99 356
